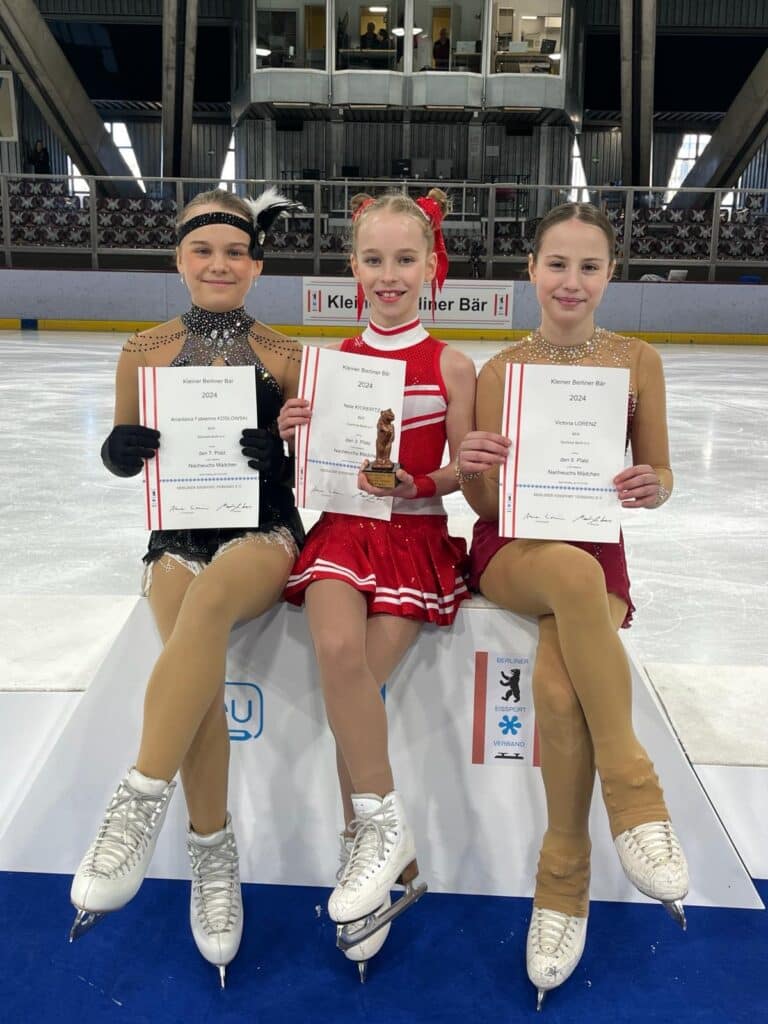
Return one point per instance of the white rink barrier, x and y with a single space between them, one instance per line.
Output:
462 746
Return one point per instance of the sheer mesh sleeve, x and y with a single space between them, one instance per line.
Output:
650 443
127 383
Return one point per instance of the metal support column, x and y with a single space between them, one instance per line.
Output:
179 50
638 51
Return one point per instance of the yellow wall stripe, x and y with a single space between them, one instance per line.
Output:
448 333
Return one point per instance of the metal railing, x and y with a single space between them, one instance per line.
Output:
489 230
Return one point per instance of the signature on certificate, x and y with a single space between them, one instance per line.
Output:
544 517
186 510
234 506
327 492
595 520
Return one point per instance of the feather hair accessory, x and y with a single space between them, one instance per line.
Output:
265 210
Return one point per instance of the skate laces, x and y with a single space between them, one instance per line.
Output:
215 880
553 931
127 828
657 842
368 847
344 850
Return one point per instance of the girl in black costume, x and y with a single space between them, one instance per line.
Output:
199 583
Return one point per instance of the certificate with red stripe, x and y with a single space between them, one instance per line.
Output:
568 427
199 478
347 394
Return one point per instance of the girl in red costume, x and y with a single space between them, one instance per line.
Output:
369 584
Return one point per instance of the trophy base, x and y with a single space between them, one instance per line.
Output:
381 476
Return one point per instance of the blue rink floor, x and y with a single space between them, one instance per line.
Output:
451 958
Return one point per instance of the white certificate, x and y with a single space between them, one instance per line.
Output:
568 428
199 478
347 394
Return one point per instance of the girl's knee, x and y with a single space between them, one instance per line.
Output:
206 599
578 579
554 696
338 653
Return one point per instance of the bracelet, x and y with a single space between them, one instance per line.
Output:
463 477
662 495
425 486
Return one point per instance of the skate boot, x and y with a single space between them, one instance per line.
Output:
215 905
655 864
553 950
114 866
363 951
383 854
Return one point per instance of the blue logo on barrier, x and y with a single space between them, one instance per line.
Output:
510 725
244 705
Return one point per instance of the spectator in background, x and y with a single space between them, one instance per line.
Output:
370 41
40 158
383 36
441 51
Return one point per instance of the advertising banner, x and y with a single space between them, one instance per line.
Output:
471 304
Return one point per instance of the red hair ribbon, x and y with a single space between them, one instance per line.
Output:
360 293
434 212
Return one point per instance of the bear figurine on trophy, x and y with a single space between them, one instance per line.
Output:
382 471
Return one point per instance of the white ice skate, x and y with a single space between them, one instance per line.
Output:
215 905
114 866
363 951
654 862
383 854
553 950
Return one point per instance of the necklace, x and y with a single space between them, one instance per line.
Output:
540 347
218 331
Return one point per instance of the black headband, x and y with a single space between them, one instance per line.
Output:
202 220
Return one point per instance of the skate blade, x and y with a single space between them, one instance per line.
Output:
362 970
84 921
540 996
345 939
676 911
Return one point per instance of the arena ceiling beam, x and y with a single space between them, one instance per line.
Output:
47 75
735 141
179 54
637 27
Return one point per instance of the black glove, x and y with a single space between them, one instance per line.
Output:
127 446
266 454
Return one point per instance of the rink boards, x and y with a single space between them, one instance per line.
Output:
462 745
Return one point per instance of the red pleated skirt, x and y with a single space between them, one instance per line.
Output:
409 566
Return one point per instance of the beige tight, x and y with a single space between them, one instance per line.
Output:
355 656
184 720
583 701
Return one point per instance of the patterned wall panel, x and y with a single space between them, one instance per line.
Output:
146 139
128 9
691 14
756 173
372 147
665 149
209 148
601 156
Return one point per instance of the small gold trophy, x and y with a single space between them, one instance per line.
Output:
381 472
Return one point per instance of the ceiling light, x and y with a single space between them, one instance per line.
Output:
529 17
398 31
378 10
260 51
